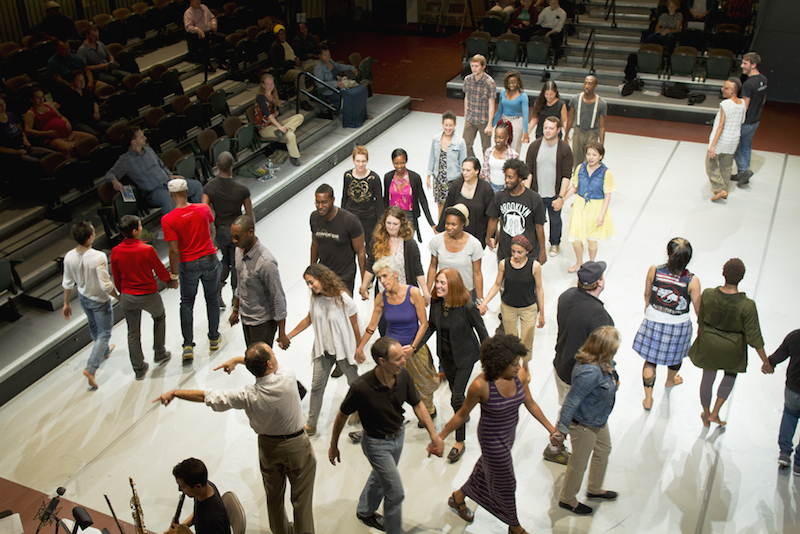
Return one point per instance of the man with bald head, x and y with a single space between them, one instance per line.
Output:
272 405
587 112
259 301
226 196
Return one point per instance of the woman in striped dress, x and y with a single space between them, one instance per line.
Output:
665 334
500 390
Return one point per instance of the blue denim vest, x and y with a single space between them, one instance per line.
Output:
456 154
591 187
591 398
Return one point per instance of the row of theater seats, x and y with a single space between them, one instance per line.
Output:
716 63
508 47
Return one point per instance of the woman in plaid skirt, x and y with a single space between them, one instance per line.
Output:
666 332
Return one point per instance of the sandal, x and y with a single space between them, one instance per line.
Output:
461 509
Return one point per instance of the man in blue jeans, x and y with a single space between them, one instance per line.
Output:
754 94
192 259
378 397
790 348
87 268
144 168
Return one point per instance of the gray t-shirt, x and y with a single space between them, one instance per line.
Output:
546 168
92 56
583 120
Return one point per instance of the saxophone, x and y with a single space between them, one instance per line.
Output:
136 507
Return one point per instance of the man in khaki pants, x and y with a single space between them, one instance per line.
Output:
272 405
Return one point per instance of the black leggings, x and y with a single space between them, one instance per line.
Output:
707 384
648 382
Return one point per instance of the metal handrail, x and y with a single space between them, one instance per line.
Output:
314 97
588 51
611 9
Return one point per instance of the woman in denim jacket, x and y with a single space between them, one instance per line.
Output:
584 417
448 152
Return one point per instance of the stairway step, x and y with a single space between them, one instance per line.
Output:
624 5
601 46
13 219
627 16
33 239
610 36
597 23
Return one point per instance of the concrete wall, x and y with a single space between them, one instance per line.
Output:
777 41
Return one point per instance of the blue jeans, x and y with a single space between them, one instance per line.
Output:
384 482
101 319
742 154
497 188
160 197
205 269
555 220
791 412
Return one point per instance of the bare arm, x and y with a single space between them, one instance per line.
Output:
302 325
361 253
314 250
712 149
432 269
192 395
174 257
206 199
338 425
540 239
606 202
356 330
377 312
695 293
66 311
248 208
501 269
419 306
477 277
537 278
491 230
601 124
477 392
570 120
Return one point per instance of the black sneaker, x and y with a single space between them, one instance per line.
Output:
167 355
337 371
375 520
143 371
744 177
607 495
581 509
295 161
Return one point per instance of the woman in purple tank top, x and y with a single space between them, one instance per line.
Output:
403 308
500 390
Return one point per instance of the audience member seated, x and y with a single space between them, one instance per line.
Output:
56 26
97 58
669 26
145 169
737 12
17 155
551 22
81 108
523 20
49 128
305 47
269 128
61 65
201 26
504 7
328 71
702 10
288 65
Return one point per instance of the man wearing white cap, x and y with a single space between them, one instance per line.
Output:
192 259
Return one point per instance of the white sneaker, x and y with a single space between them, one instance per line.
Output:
555 250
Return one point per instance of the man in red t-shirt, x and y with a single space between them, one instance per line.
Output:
133 263
192 259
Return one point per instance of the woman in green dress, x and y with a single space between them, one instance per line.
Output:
727 324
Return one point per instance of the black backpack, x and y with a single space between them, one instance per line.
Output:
678 90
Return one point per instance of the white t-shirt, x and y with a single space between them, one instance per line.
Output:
460 261
89 271
333 332
732 130
496 174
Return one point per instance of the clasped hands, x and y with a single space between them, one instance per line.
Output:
557 438
767 369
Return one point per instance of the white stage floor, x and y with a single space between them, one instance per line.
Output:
672 474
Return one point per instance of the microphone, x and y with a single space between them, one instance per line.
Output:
46 514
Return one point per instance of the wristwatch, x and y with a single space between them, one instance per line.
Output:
173 276
479 301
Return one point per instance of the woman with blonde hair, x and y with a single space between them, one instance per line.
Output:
584 416
269 128
403 308
455 320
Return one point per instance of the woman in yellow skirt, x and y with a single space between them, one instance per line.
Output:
590 220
